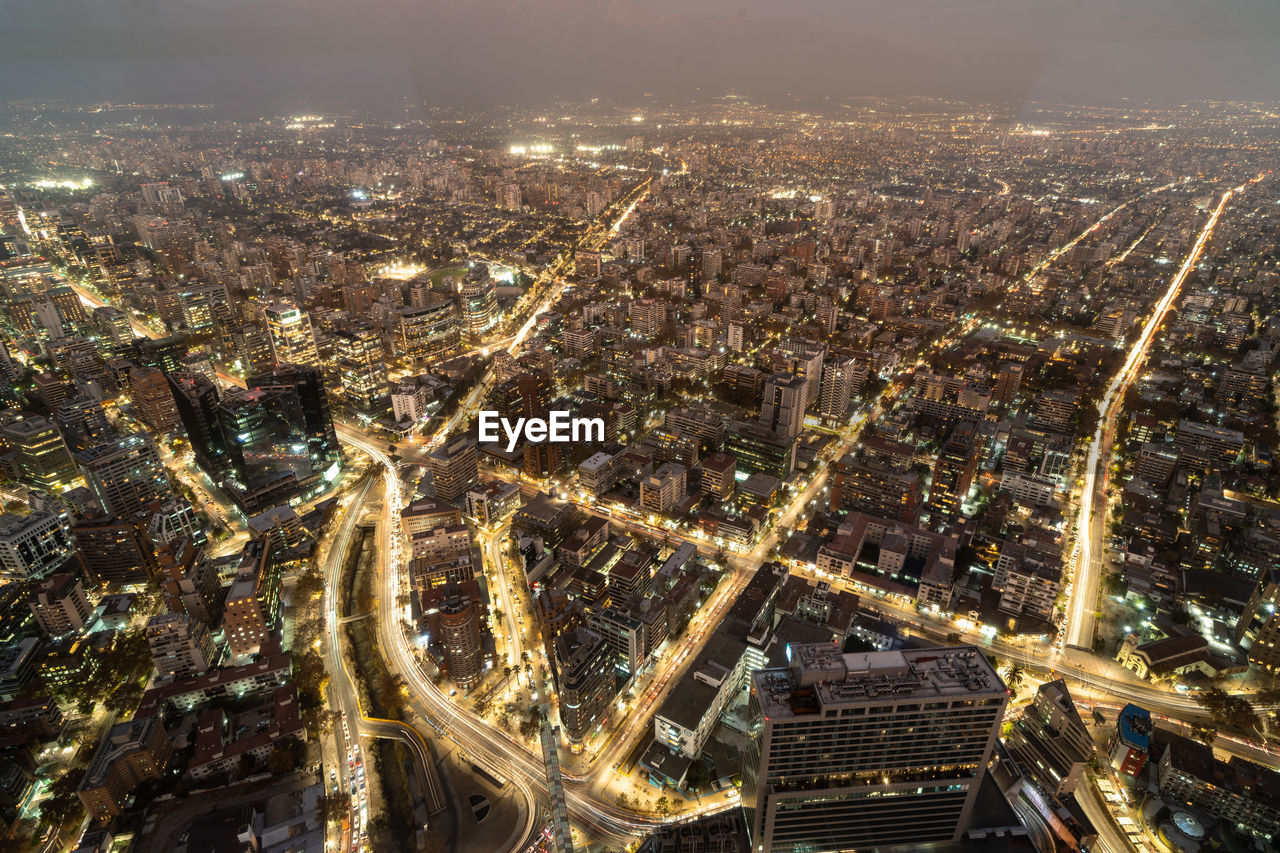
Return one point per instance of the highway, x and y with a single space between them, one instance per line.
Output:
343 697
1082 591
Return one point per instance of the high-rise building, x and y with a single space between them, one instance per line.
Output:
1050 741
152 398
432 331
113 323
268 460
278 437
126 475
83 423
838 378
442 556
757 449
131 753
1007 383
292 340
40 455
454 468
60 605
585 676
167 354
362 368
252 348
876 488
782 410
1131 742
664 488
32 546
111 548
1237 792
479 303
647 316
252 606
862 750
954 471
180 646
189 583
195 399
308 385
459 621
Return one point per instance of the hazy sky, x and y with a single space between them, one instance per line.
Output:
283 54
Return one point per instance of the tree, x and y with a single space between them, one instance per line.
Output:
286 757
331 808
1227 710
663 805
622 801
62 803
124 698
1015 676
309 673
1204 734
310 583
954 638
698 776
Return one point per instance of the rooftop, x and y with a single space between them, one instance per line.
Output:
823 675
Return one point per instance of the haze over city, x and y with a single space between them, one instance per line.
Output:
388 54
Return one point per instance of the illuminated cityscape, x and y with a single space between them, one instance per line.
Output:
728 473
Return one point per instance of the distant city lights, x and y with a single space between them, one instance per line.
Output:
536 149
62 184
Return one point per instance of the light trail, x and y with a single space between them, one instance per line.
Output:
1082 591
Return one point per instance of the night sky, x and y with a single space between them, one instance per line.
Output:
384 54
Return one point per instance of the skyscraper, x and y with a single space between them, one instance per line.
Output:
362 368
83 423
292 341
252 607
859 750
252 348
60 605
479 303
114 548
459 621
126 474
584 674
152 399
307 383
430 331
40 454
953 472
32 546
782 410
454 468
196 399
837 387
1050 740
266 442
